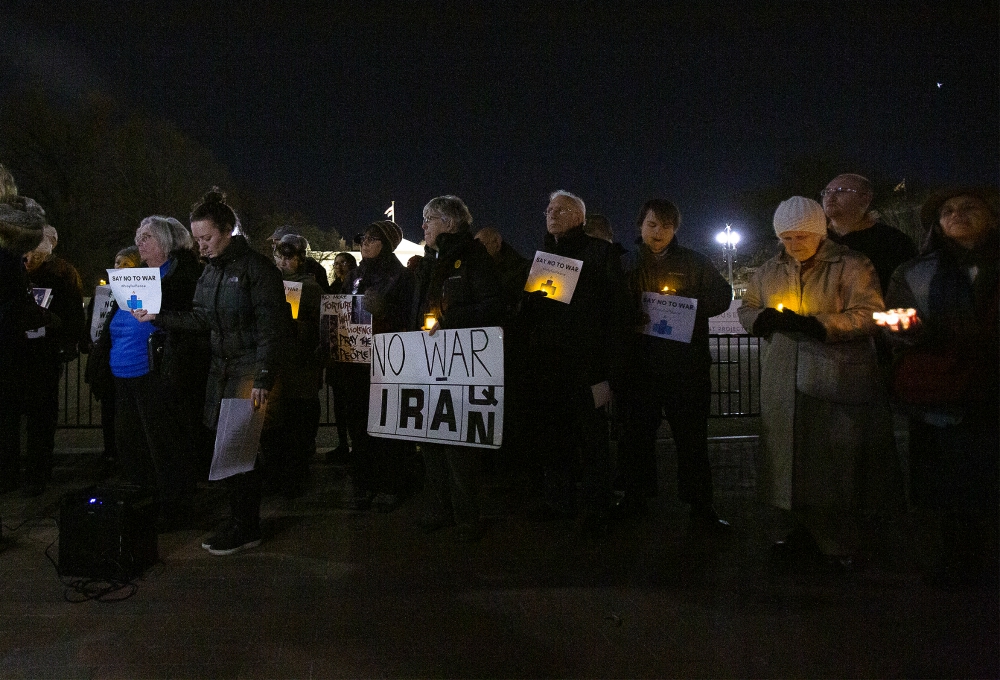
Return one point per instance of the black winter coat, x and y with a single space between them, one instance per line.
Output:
240 301
459 284
388 289
687 274
18 313
576 345
67 304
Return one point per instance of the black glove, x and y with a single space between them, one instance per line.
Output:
767 322
809 326
374 303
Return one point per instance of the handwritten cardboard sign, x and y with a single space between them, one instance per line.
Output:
102 307
671 317
346 328
554 275
136 288
445 388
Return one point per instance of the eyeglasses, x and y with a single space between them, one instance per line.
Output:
139 240
557 212
368 238
838 190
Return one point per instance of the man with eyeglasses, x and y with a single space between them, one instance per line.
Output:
845 201
573 353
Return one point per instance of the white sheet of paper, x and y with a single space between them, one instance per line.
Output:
236 439
671 317
555 275
293 294
102 307
137 288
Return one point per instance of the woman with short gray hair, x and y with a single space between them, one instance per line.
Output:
451 209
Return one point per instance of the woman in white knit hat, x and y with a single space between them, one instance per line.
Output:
826 446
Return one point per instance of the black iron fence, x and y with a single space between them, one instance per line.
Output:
735 385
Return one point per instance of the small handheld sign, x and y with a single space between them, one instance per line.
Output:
554 275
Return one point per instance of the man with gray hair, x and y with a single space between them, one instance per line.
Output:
846 200
573 355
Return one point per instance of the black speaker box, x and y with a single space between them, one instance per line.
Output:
107 533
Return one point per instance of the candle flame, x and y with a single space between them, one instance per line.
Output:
780 306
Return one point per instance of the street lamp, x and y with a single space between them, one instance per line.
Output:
728 239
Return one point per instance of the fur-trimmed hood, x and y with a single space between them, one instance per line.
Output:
21 223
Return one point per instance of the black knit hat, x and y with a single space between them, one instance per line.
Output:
388 232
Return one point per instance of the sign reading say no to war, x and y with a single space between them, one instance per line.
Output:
136 288
445 388
554 275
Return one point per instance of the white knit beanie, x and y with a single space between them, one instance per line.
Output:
799 214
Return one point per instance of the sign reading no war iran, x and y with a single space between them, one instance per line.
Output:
445 388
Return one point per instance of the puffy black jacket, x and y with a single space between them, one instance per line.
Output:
240 300
67 304
459 284
687 274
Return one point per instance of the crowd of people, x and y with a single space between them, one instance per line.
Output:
834 366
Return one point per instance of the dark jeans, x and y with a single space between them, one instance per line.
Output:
684 402
153 446
41 410
452 476
10 434
568 438
955 468
288 447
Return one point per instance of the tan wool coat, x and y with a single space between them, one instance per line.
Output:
826 426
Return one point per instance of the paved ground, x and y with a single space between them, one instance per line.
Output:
333 593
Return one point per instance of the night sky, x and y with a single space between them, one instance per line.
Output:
340 110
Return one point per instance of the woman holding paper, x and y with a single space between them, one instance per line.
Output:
826 449
240 302
153 437
671 376
291 442
379 473
947 377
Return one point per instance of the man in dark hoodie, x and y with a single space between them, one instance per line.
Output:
21 223
457 283
573 356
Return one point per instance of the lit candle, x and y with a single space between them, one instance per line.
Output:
430 322
780 306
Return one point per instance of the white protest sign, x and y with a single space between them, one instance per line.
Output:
556 276
670 316
136 288
727 323
346 328
293 294
236 439
445 388
102 307
43 298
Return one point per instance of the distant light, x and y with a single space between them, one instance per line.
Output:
727 237
939 86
